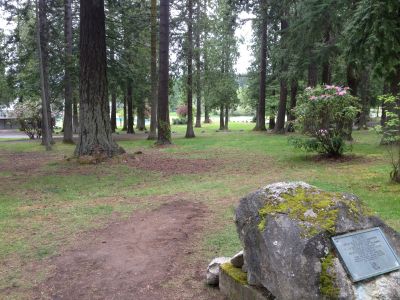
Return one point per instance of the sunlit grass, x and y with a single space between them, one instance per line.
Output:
42 211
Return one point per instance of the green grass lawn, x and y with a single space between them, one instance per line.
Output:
44 206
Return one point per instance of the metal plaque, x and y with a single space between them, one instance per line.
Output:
366 253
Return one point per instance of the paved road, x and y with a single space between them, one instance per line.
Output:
12 134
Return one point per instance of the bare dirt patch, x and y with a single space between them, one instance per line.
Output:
25 162
134 259
168 164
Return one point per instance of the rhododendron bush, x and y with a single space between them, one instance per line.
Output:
325 114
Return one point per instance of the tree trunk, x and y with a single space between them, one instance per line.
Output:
293 102
95 136
353 83
125 119
153 75
312 72
207 119
129 100
226 127
113 110
189 86
365 100
326 73
280 120
221 118
164 129
383 115
67 79
260 119
352 79
293 99
271 123
75 116
141 121
326 66
198 65
41 38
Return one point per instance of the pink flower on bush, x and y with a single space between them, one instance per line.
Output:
341 93
323 132
182 111
313 98
330 87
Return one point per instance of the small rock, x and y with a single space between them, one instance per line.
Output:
213 270
237 260
310 214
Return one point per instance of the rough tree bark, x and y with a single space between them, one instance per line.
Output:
207 119
153 75
294 87
386 90
353 82
141 122
67 79
113 110
41 39
226 125
198 65
326 66
221 118
280 120
129 100
364 99
164 129
312 78
95 137
260 121
75 116
113 92
125 120
326 73
271 123
352 79
189 83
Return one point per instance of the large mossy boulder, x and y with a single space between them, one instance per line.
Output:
286 231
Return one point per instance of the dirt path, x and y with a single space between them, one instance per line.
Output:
135 259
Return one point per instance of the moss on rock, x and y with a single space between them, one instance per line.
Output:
235 273
315 209
327 279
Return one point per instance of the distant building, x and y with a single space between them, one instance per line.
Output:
8 119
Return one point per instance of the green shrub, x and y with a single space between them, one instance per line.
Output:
29 116
179 121
391 133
